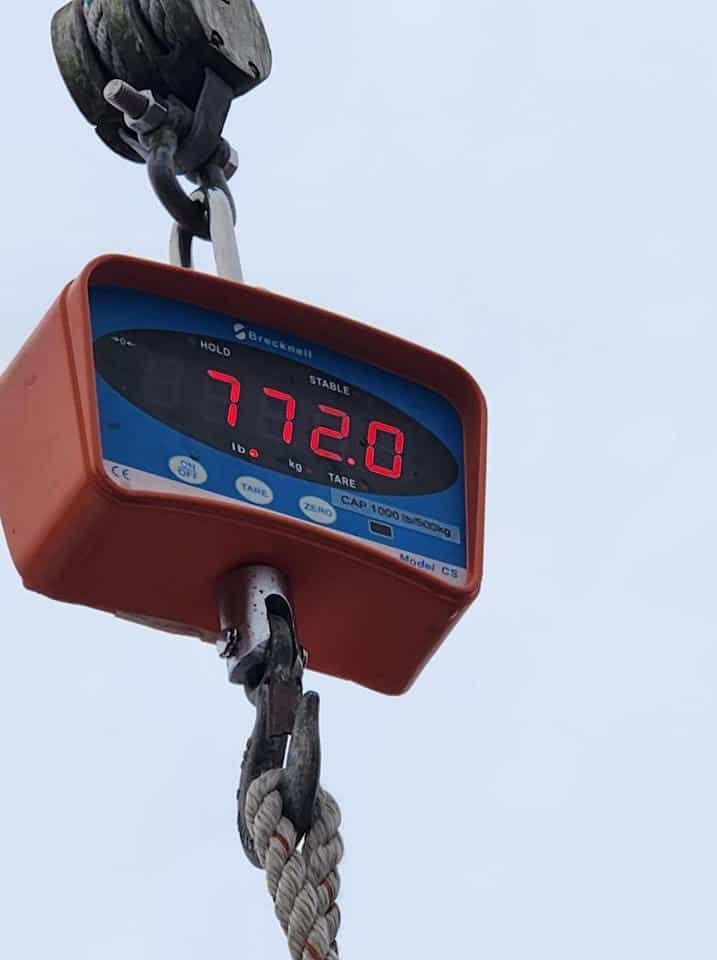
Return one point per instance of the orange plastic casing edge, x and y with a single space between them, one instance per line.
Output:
75 536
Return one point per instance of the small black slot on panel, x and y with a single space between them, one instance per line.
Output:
381 529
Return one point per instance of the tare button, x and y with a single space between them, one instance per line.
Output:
318 510
255 491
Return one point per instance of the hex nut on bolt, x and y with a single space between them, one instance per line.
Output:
142 111
152 118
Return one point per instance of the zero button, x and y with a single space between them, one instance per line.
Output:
318 510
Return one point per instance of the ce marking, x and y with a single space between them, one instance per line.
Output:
121 473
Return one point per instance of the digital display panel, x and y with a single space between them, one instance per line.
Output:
197 402
288 416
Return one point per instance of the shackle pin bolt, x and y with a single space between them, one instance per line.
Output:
124 97
142 111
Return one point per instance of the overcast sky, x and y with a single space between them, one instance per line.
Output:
527 187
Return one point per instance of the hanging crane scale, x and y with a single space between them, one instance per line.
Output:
168 427
212 459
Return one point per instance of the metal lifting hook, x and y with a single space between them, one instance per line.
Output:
279 716
259 644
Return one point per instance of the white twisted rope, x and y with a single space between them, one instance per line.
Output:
304 883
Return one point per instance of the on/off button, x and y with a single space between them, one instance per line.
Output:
318 510
188 470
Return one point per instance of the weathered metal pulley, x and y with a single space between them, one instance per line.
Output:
166 46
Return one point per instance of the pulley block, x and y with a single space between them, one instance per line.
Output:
166 46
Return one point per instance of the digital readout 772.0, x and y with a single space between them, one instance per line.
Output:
278 412
341 432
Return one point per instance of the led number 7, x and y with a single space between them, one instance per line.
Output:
287 434
234 394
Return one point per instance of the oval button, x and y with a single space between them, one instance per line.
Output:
188 470
254 490
318 510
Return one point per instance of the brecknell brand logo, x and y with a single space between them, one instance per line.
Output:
244 334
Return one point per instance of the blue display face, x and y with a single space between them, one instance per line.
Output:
190 399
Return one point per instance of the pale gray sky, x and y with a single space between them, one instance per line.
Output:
528 187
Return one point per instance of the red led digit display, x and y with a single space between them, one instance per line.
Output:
399 442
273 411
234 394
287 434
376 428
339 434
